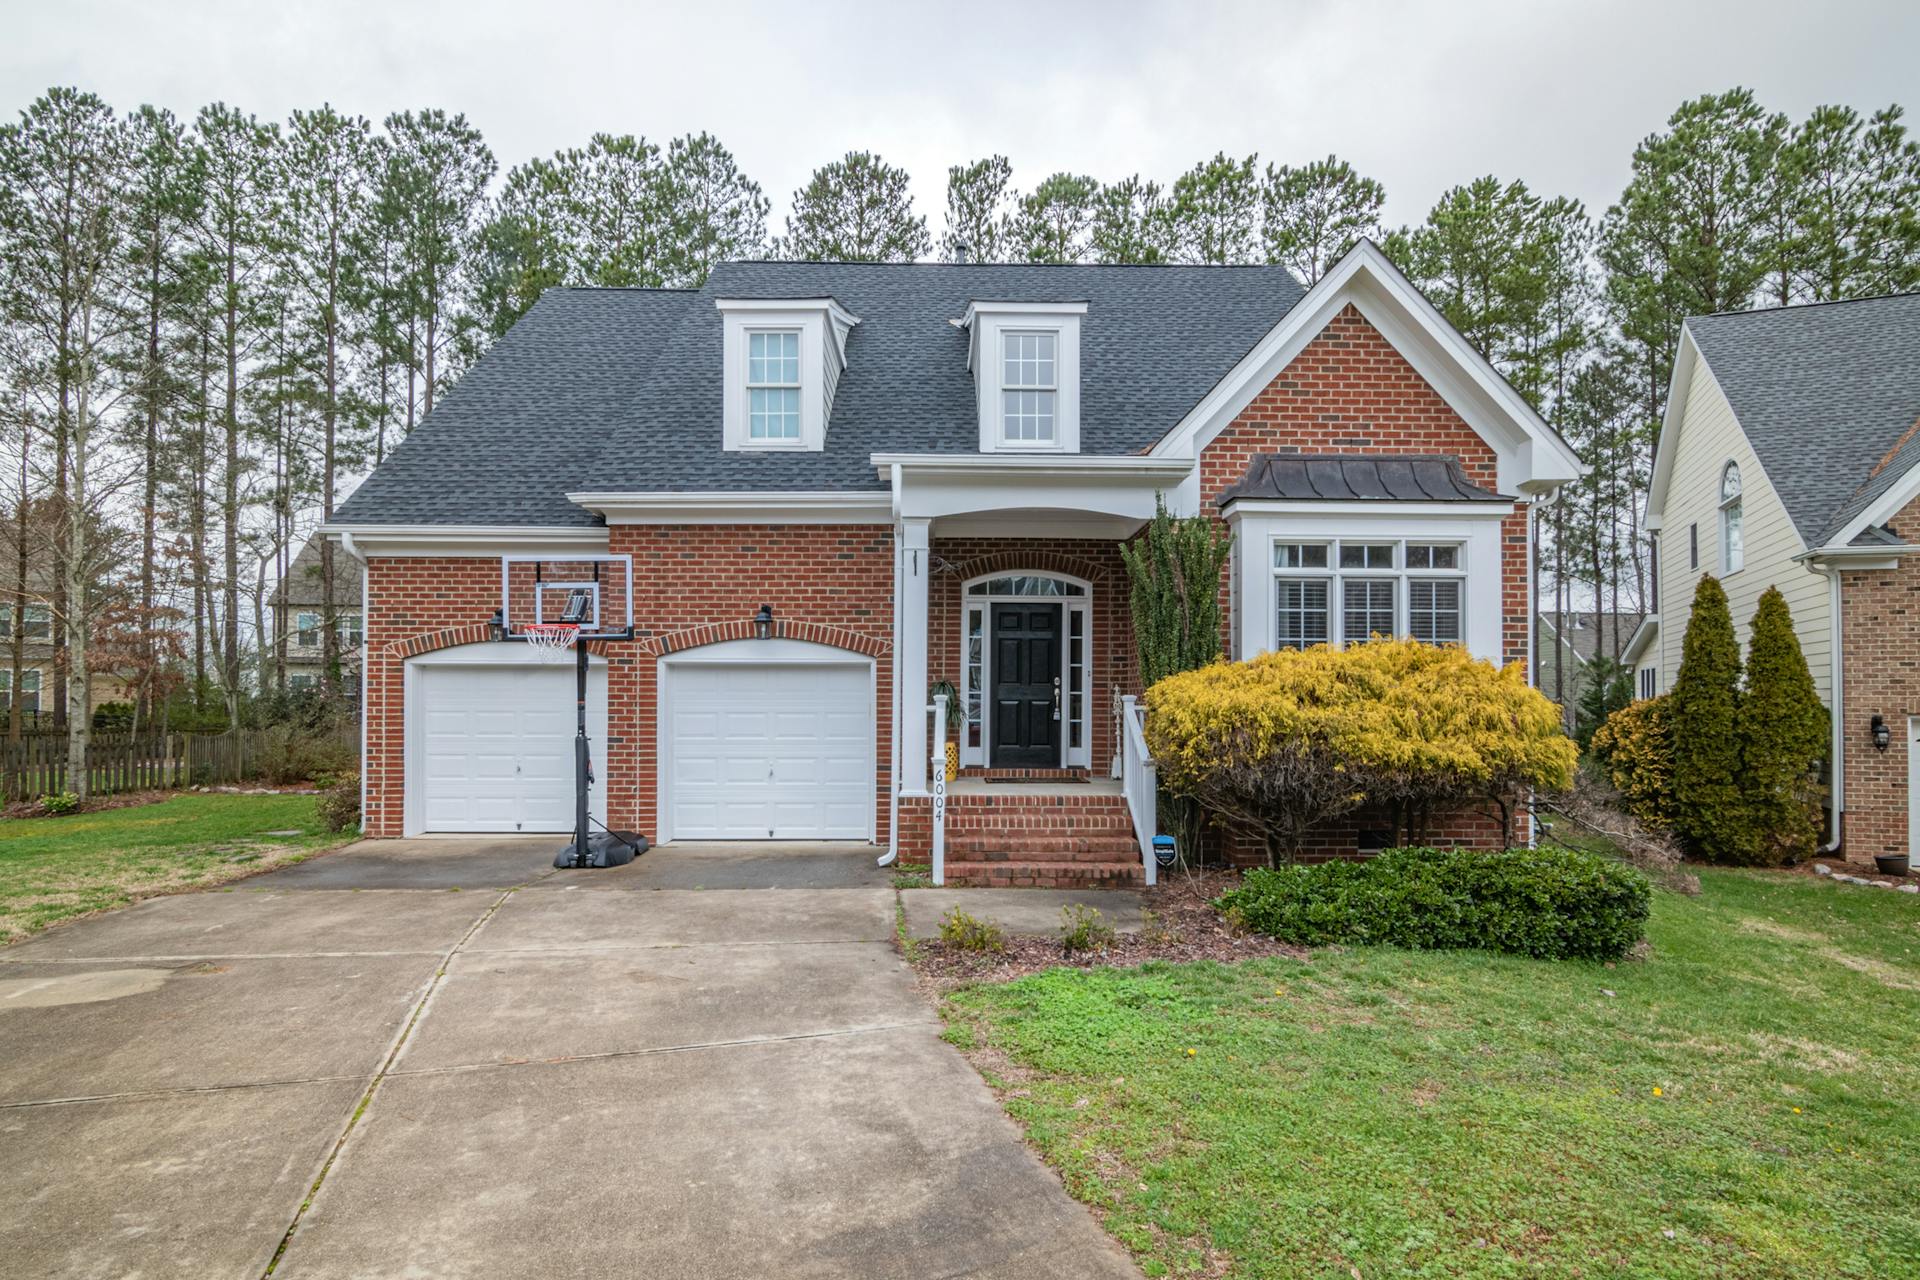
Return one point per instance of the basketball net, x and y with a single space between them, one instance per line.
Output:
551 639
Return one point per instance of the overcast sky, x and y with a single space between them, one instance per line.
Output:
1418 96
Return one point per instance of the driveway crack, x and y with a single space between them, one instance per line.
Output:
383 1071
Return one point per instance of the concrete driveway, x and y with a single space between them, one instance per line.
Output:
709 1063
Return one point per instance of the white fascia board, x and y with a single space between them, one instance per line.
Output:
830 507
1383 510
1890 504
843 319
986 465
1641 638
1679 387
480 541
1844 557
1533 458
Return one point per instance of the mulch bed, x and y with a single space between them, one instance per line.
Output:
98 804
1184 926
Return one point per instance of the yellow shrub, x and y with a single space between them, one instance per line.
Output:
1635 747
1292 738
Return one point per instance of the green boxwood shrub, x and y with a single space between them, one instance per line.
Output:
1549 903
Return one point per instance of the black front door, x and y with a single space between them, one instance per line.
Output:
1026 686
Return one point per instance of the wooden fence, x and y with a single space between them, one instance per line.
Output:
37 764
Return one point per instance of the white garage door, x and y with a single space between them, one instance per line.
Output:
770 752
495 746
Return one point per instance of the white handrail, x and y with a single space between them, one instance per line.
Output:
937 758
1139 781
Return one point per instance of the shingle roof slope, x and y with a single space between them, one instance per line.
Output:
526 423
1154 340
1346 477
1823 393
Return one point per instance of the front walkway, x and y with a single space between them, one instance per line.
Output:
498 1070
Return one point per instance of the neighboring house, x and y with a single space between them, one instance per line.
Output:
39 692
300 601
923 472
1790 458
1567 650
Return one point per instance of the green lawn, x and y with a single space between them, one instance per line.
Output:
1745 1102
53 868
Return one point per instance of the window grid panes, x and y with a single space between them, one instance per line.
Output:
1433 610
29 690
1301 608
1732 549
1029 387
1026 585
976 645
307 630
1366 609
773 385
1346 592
1076 676
39 622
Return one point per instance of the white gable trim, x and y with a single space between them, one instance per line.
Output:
1889 504
1532 458
1679 388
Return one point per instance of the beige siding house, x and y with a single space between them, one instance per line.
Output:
1693 519
1790 458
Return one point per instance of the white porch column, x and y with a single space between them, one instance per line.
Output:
910 636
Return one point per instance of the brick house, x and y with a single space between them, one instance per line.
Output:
818 489
1790 458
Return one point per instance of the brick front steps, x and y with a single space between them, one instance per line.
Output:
1045 840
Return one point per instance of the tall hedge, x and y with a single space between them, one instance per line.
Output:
1783 736
1709 812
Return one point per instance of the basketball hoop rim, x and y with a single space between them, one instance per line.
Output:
551 637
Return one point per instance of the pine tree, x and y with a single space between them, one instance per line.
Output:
1783 737
977 214
855 210
1054 222
715 211
1133 224
1216 211
1315 213
1710 812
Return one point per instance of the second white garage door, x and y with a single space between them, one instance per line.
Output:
769 751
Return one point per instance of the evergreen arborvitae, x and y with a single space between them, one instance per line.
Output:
1173 569
1783 735
1709 810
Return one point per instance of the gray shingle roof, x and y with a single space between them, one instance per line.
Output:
1824 394
621 390
527 422
1346 477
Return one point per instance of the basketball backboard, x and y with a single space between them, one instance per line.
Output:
595 591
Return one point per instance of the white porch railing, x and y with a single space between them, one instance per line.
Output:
937 785
1139 781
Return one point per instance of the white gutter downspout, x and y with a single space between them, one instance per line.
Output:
1838 773
893 768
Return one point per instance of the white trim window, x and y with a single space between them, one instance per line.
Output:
29 689
1347 591
773 386
1029 387
39 622
1732 549
306 629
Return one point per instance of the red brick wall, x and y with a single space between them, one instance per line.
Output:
828 583
1113 661
1880 633
413 606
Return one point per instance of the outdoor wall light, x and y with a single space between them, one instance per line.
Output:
1882 736
763 623
497 625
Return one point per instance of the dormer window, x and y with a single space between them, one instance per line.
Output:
773 385
781 363
1030 387
1025 358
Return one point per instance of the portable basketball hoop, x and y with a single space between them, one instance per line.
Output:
573 599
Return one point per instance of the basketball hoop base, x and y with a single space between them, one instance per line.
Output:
604 849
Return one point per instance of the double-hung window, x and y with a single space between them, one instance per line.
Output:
306 629
1029 387
39 622
773 385
1348 591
